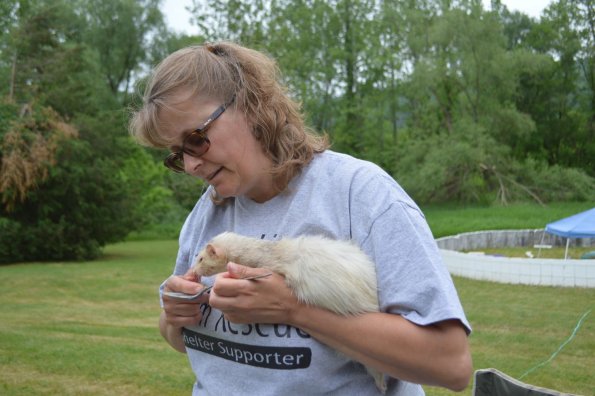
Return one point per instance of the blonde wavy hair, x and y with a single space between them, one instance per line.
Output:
220 71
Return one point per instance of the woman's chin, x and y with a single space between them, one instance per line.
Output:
222 192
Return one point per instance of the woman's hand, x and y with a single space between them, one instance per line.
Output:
178 313
265 300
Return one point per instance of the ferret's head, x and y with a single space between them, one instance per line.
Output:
210 261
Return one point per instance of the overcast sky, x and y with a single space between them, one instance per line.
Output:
178 17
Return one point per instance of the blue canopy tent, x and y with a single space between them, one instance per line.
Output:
581 225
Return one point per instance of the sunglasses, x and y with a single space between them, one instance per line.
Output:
196 143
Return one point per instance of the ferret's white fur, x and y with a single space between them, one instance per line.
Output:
332 274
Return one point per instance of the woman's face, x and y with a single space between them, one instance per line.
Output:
235 163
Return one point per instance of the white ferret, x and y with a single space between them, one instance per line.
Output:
331 274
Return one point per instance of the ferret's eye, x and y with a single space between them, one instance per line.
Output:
200 260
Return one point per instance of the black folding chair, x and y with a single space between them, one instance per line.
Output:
491 382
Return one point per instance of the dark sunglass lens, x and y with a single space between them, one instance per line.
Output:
196 144
175 162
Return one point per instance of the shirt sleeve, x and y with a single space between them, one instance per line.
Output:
412 279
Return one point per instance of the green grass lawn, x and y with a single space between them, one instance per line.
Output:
451 220
516 328
90 328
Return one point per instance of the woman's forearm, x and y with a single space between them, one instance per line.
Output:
433 355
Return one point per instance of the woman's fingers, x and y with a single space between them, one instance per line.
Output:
179 312
184 284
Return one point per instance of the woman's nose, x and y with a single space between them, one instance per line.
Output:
192 164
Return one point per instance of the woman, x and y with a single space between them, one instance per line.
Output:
225 117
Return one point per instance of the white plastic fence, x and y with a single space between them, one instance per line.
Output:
530 271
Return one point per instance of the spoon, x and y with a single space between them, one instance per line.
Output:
184 296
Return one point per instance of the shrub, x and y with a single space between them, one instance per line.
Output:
78 201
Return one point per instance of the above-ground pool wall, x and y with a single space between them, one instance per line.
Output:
530 271
507 238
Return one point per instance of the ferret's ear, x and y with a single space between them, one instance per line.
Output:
210 249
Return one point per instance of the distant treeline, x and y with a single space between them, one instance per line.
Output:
457 102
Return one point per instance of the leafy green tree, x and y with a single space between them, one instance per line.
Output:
462 93
406 83
555 88
583 16
119 31
58 201
72 180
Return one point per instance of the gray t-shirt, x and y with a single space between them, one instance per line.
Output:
340 197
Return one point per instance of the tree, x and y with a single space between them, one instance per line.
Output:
583 15
72 180
29 145
400 83
121 32
467 139
558 91
58 199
